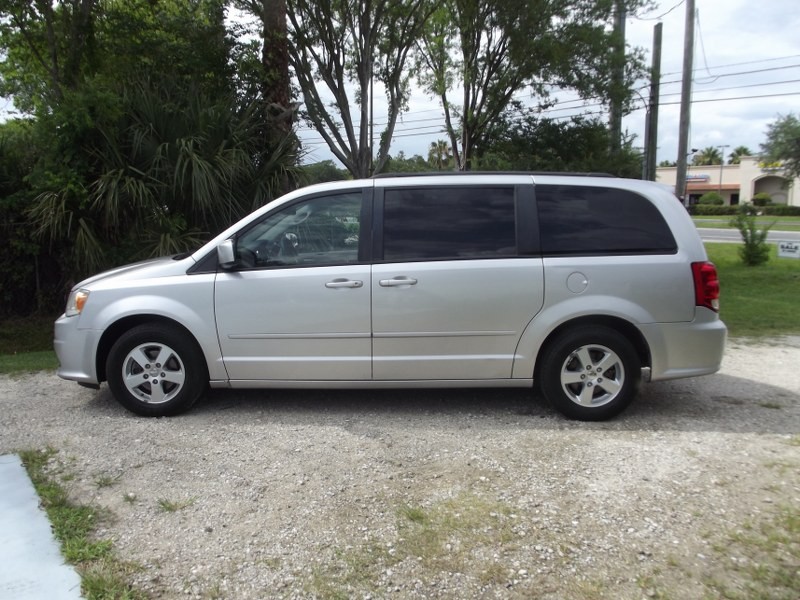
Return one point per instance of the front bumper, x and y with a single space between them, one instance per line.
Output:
76 350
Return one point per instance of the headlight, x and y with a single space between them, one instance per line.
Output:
76 302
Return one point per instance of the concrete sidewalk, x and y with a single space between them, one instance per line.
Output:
31 565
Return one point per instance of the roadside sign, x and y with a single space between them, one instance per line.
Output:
789 249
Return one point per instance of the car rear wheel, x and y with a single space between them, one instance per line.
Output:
156 370
590 373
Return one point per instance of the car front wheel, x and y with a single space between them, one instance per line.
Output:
590 373
156 370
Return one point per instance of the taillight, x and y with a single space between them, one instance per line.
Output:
706 285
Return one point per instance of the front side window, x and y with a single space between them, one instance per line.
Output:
445 223
583 220
315 232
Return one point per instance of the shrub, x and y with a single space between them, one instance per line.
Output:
755 250
712 210
781 210
761 199
711 198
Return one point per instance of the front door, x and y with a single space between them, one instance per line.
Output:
297 306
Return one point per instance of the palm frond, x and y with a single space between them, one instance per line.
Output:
51 216
87 253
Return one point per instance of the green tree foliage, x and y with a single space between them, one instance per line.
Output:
783 144
439 155
577 144
49 47
711 198
735 157
487 51
707 156
24 272
176 167
321 172
407 164
145 134
761 199
340 47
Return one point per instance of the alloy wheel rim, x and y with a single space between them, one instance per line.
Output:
153 373
592 375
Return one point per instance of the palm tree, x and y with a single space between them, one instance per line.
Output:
173 169
735 157
439 155
708 156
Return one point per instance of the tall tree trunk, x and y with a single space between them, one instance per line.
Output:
275 60
275 87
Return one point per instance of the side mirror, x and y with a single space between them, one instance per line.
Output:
226 254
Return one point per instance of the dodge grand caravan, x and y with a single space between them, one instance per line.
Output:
583 285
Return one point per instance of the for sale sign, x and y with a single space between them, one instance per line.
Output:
789 249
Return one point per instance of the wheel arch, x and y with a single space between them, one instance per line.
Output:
626 328
118 328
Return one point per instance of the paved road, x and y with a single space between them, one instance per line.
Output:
733 235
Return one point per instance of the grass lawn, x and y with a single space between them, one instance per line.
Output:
28 362
723 222
26 344
757 301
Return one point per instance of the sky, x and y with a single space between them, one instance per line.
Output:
743 49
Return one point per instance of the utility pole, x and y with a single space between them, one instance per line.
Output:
617 78
686 102
651 125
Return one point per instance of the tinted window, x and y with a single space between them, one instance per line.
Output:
589 220
459 222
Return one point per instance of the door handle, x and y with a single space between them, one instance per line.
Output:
344 283
396 281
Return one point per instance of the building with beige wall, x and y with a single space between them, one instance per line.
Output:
736 183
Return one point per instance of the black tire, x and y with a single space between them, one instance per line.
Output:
156 370
590 373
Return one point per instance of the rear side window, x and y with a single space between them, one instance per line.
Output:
440 223
579 220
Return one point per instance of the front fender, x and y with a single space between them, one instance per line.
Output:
186 301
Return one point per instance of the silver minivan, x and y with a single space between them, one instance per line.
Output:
583 285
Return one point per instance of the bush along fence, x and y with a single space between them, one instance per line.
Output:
777 210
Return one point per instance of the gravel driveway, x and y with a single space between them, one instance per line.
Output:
439 494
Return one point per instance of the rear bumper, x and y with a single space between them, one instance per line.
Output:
686 349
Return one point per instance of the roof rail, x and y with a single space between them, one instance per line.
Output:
468 173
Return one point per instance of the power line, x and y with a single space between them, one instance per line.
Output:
741 64
321 142
737 98
740 87
702 43
723 66
402 133
659 17
583 103
715 77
